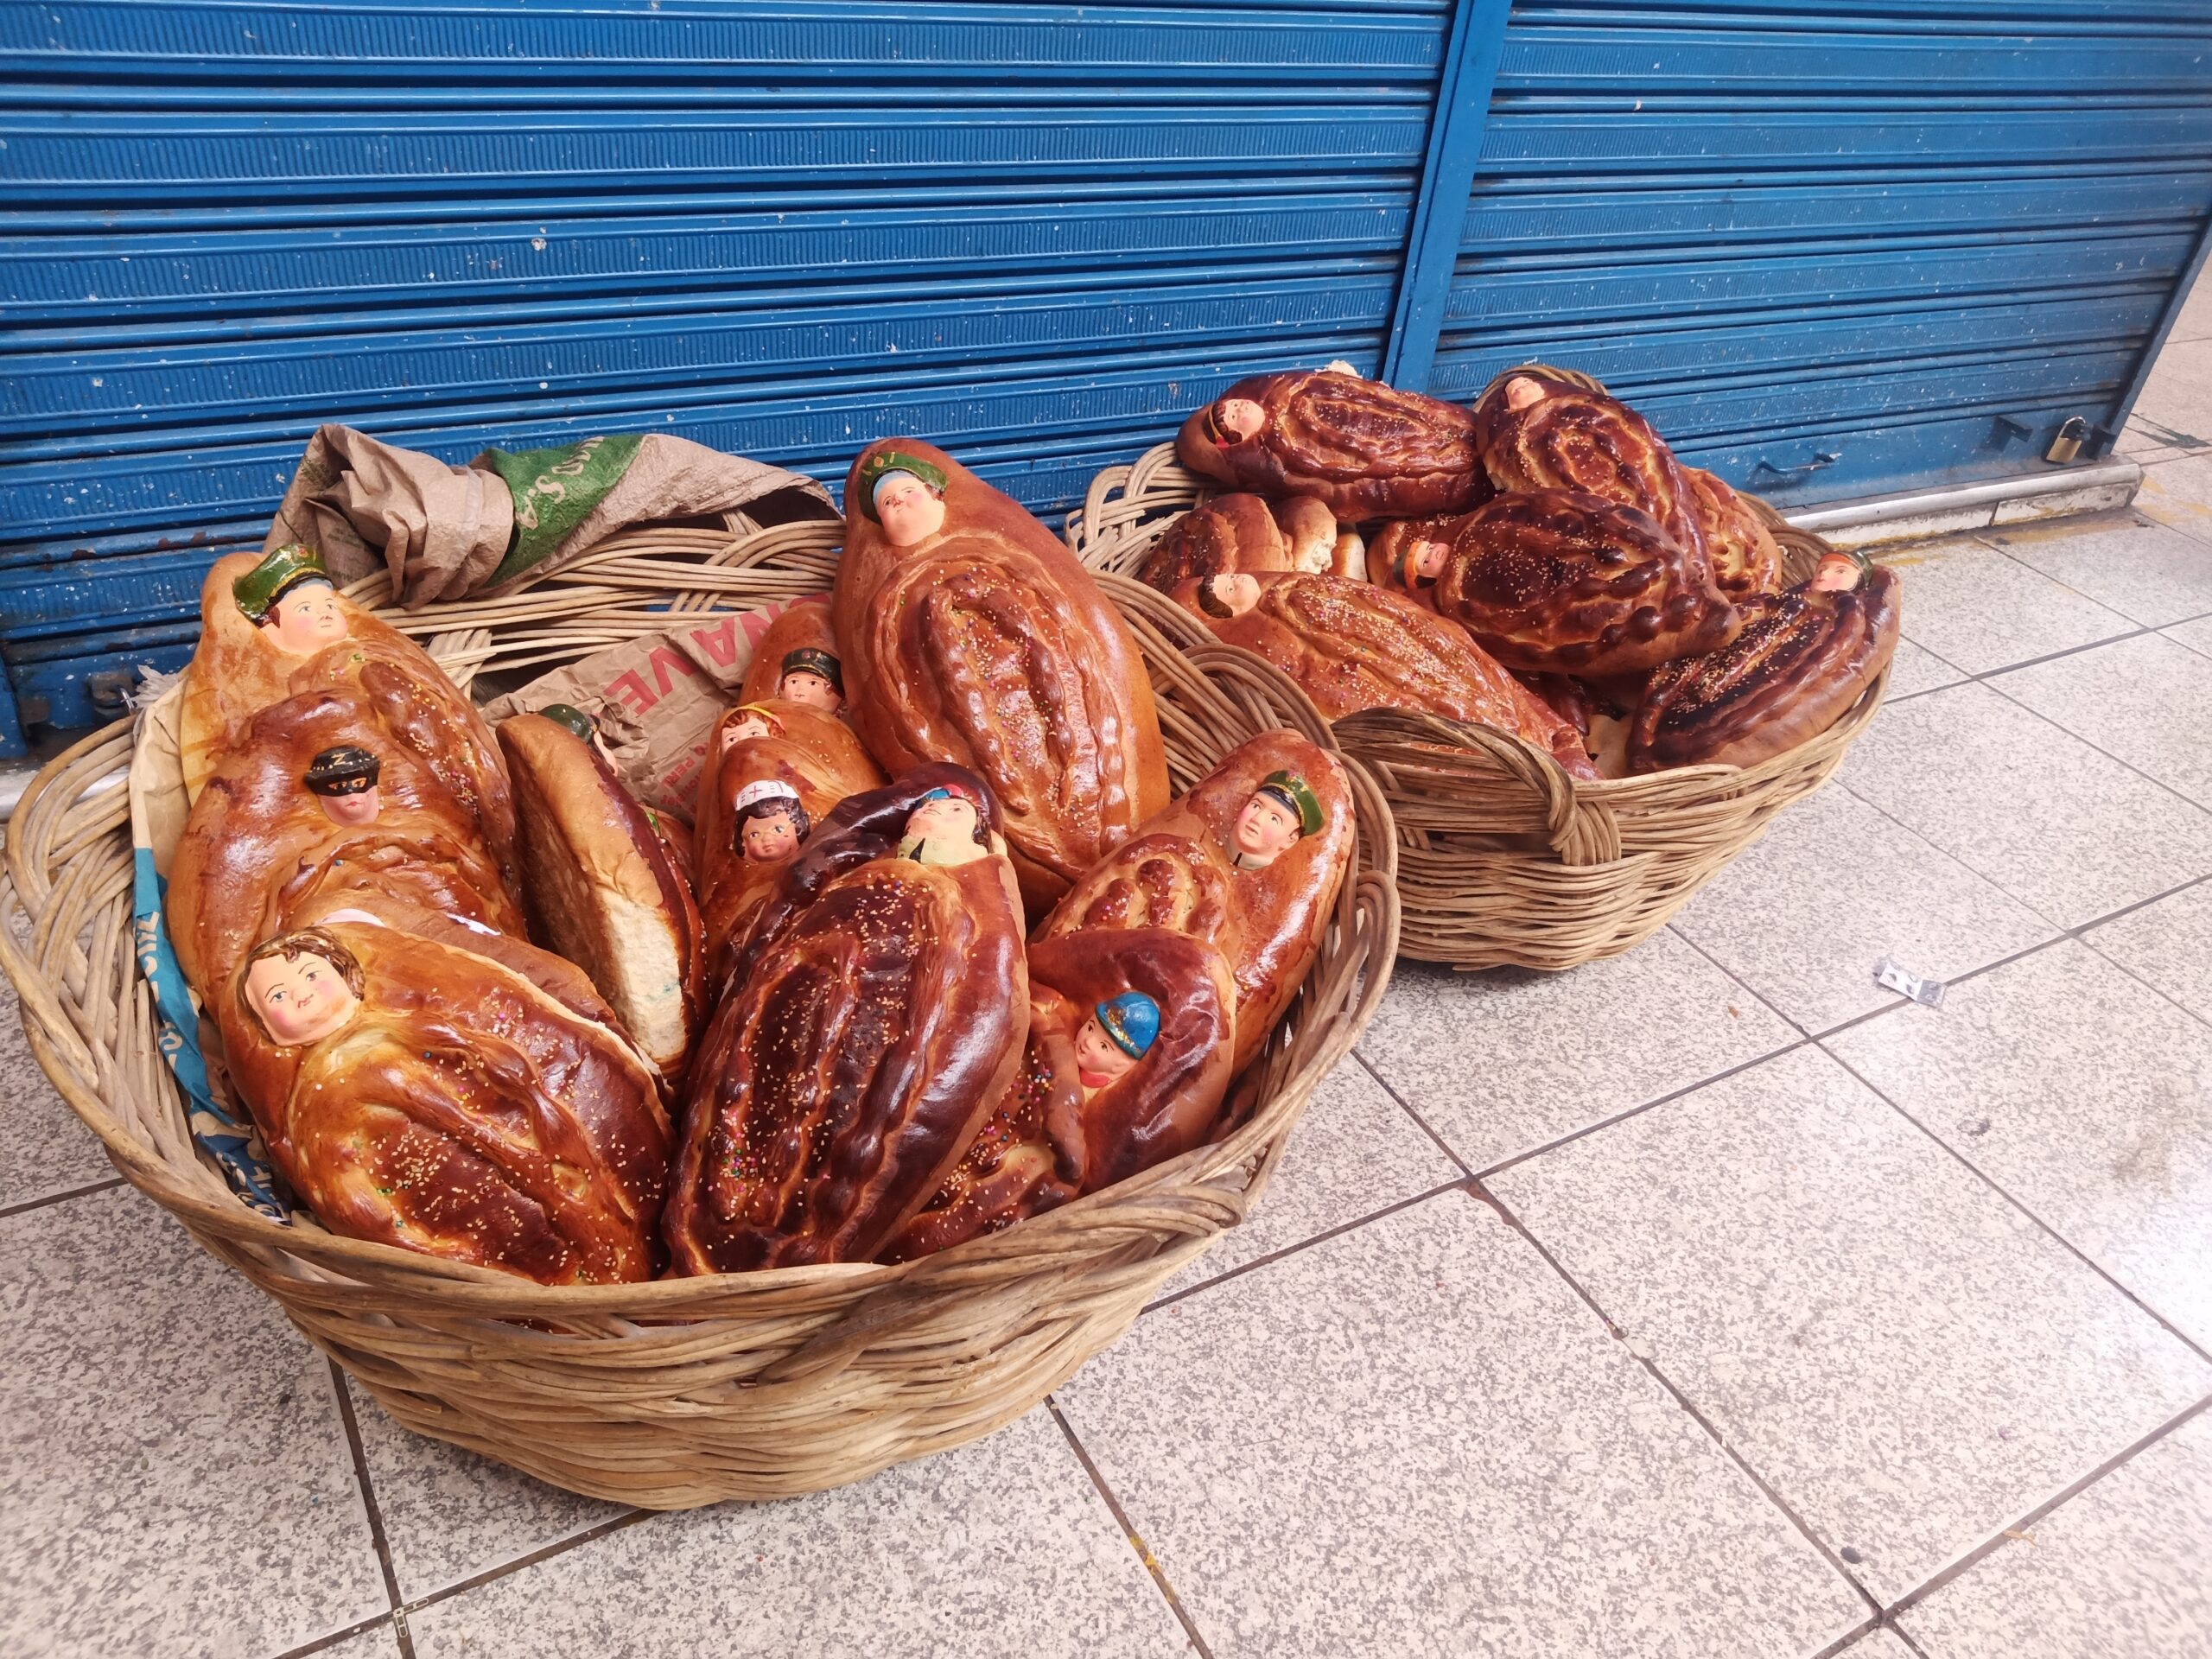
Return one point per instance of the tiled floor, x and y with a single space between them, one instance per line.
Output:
1710 1301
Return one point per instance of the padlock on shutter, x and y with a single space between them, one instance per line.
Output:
2067 446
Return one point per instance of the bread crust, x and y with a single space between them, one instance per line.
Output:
986 645
1574 439
1803 659
1363 449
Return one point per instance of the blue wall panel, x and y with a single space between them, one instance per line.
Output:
1036 233
1834 250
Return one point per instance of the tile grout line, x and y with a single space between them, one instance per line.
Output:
1670 1097
1984 676
1242 1267
1651 1366
324 1643
369 1501
30 1205
1136 1541
543 1553
2005 1193
1981 1552
1738 981
1403 1105
2156 782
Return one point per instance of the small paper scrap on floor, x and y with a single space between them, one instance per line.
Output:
1894 976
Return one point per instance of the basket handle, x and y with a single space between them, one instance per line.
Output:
1581 827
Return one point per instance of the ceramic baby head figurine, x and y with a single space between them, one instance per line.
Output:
344 783
1225 596
770 821
947 826
905 494
1234 420
1419 563
290 598
1840 572
1521 391
750 721
301 986
812 675
1120 1032
1280 810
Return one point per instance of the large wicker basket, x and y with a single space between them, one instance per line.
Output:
688 1391
1502 858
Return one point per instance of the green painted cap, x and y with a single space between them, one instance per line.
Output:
289 566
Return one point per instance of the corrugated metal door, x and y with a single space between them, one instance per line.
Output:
1833 250
1027 230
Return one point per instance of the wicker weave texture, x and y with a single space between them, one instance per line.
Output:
1505 860
687 1392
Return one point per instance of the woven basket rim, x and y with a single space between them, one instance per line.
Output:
90 770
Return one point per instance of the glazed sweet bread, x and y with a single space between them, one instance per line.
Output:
1804 658
1127 1059
876 1014
1240 532
272 626
416 1089
1249 861
1746 558
1353 645
774 769
1536 433
319 798
971 635
1558 582
603 886
1363 449
797 660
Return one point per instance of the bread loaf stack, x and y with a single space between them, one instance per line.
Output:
941 953
1543 565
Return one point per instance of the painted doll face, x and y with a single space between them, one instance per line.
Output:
802 686
306 619
1237 593
770 837
909 510
739 730
359 807
1098 1059
1838 572
1264 830
1426 563
1521 392
301 999
1237 419
947 818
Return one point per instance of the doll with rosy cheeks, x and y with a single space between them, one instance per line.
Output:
301 987
344 781
752 721
946 828
1235 420
290 598
905 494
812 676
1120 1032
1282 811
771 821
1840 572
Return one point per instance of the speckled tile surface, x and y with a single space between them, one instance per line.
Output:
2178 393
1907 1359
1001 1549
1833 888
2167 944
2085 1095
2118 1571
1914 669
1413 1439
2065 830
2141 700
44 1148
2145 570
1879 1644
1503 1062
174 1477
1979 609
379 1642
2197 635
2178 491
1355 1151
449 1514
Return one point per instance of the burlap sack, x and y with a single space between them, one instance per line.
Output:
508 519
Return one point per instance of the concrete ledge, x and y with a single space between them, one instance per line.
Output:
1915 515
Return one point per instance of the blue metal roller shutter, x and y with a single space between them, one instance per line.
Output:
1834 250
1027 230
